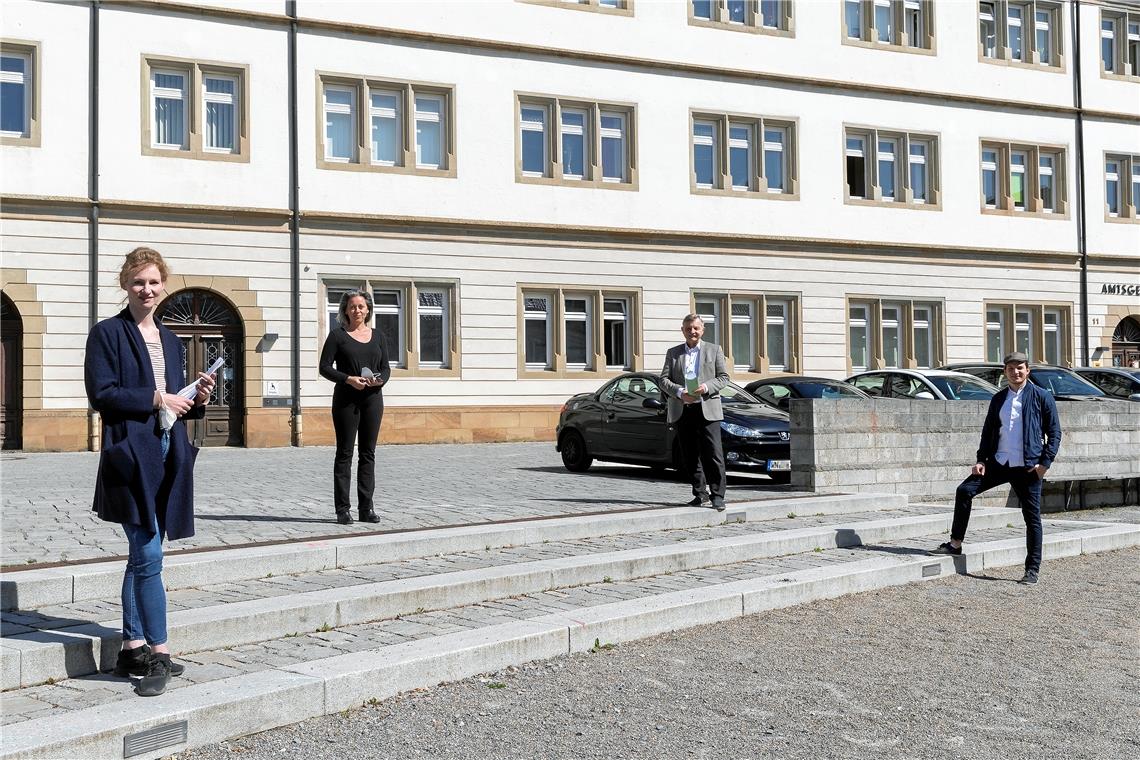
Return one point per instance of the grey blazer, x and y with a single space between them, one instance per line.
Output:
713 372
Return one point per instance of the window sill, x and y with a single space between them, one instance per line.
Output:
449 372
749 194
1047 68
351 166
241 157
892 204
1119 77
1044 215
1122 219
890 47
589 184
746 28
604 10
28 141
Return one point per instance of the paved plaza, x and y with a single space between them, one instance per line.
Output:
247 496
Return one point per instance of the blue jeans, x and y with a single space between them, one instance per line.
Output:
144 595
1025 483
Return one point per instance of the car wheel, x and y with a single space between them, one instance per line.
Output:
574 454
781 477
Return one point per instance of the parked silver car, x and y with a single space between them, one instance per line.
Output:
922 383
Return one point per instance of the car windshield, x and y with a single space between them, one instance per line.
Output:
824 390
734 394
962 388
1062 383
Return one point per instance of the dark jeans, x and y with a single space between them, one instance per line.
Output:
356 420
701 449
1025 484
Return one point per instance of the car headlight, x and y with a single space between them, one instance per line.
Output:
739 430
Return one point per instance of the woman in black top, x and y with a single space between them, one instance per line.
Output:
354 359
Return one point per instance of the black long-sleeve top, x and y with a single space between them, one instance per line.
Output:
344 356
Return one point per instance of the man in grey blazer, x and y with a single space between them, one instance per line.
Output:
692 377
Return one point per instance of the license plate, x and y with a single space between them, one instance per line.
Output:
776 465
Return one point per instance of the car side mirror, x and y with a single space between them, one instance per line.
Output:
924 394
1134 397
653 403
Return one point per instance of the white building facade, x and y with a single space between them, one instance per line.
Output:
536 192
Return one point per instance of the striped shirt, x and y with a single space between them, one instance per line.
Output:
158 364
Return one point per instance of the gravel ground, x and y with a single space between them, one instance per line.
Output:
966 667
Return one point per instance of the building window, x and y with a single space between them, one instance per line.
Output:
19 96
759 332
763 16
743 154
1040 331
902 24
887 334
1023 178
196 110
386 126
574 331
592 145
616 7
1120 43
416 321
1122 187
1027 32
891 167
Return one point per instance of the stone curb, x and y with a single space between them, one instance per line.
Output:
257 702
83 649
31 589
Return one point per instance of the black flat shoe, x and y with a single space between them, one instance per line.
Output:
369 517
157 675
344 518
133 662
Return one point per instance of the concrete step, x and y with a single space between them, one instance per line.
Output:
239 690
35 588
68 642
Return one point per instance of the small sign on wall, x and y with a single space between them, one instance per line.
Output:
272 388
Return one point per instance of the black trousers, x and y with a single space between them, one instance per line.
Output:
701 449
356 420
1025 483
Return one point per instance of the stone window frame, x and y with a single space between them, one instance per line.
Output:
1037 311
196 72
1002 55
723 186
869 38
752 24
624 7
1123 19
759 364
874 326
1129 194
557 294
361 159
553 106
31 52
1033 203
405 363
933 163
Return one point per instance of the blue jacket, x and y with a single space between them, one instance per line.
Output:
1040 424
134 484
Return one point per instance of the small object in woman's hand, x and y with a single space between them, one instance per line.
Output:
368 376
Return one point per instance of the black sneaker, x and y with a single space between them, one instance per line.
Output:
697 500
133 662
1029 579
947 548
157 674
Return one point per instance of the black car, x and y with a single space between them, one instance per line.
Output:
1117 382
1064 384
625 421
779 391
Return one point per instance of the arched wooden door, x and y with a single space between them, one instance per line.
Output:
1126 343
209 327
11 369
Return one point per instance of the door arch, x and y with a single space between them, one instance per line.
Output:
1126 342
11 375
209 327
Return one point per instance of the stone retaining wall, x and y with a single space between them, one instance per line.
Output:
924 448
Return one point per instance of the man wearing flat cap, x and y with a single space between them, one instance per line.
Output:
1020 439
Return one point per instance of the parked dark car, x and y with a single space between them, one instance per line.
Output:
1116 382
1064 384
923 383
624 421
779 391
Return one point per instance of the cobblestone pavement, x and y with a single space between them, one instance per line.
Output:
252 495
306 646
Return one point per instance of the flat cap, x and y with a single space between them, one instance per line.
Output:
1015 358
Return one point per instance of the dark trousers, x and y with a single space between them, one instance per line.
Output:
356 420
701 449
1025 484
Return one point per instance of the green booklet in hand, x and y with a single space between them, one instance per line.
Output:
691 386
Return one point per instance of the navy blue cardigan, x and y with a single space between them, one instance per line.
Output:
134 484
1040 425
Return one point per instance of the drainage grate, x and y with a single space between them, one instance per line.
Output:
166 735
929 571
